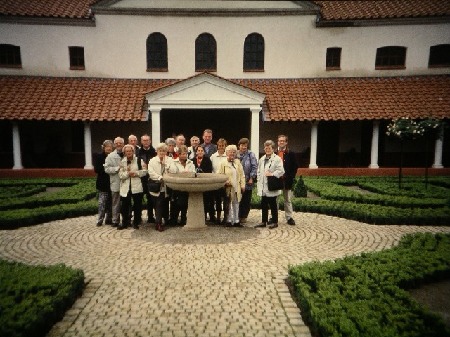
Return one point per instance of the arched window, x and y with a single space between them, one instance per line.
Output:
157 52
391 57
205 53
439 56
10 56
254 52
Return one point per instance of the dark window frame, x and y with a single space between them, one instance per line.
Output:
76 58
390 57
333 58
10 56
205 53
157 60
254 50
439 56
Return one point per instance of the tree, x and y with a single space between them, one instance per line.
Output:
406 128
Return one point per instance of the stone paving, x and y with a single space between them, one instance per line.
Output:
217 282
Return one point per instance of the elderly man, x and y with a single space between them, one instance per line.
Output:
112 166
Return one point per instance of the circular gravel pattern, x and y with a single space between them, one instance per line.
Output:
215 282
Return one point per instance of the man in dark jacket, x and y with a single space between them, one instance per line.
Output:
147 152
290 170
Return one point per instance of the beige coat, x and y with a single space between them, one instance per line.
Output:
125 179
234 184
156 171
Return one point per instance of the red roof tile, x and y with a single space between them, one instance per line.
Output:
93 99
382 9
47 8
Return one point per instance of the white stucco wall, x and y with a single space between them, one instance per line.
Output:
294 47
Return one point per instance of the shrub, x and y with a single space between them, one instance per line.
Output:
32 299
363 295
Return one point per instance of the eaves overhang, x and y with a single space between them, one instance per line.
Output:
382 22
51 21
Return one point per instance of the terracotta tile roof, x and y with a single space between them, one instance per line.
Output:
46 98
354 98
47 8
382 9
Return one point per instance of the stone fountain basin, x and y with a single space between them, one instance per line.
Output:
188 182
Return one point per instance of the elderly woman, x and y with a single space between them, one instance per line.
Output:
157 166
102 184
234 186
219 195
269 165
250 165
180 165
130 174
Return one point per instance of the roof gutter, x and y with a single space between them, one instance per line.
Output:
382 22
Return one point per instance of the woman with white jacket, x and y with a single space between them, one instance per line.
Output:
130 174
269 165
157 166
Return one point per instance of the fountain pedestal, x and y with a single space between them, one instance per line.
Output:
195 184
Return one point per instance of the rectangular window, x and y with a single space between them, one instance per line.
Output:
333 59
76 56
390 58
10 56
439 56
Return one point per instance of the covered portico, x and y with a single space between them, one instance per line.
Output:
206 92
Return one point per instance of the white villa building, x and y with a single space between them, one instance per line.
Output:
329 74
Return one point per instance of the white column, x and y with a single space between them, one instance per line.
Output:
313 154
438 148
87 146
254 132
156 125
16 147
374 149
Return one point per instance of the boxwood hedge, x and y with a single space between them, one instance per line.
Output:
34 298
364 295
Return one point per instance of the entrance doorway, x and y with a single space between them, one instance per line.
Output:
231 124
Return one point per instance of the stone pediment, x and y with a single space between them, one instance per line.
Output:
204 91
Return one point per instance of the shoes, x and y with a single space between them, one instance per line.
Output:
237 224
262 224
122 226
212 218
272 226
108 222
114 224
228 224
218 222
151 220
99 223
135 226
242 220
270 221
291 222
159 227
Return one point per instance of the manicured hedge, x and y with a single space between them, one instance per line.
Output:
76 198
364 295
383 203
34 298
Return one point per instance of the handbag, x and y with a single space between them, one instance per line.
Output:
274 183
154 185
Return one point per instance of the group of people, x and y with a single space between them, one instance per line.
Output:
124 171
